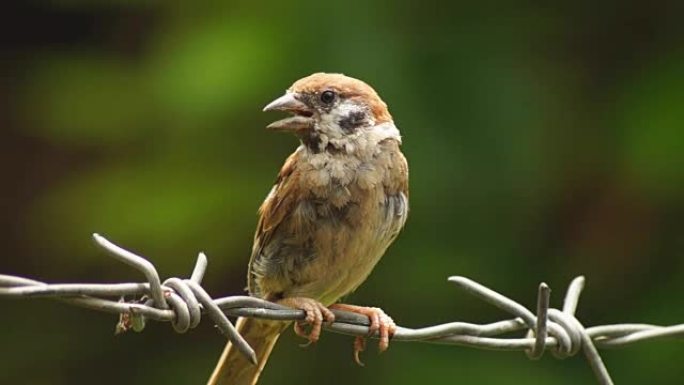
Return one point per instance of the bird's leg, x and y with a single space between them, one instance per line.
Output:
316 314
380 323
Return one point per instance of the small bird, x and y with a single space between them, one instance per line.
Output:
337 204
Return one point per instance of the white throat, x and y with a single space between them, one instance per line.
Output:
364 141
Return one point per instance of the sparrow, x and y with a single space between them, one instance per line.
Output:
338 202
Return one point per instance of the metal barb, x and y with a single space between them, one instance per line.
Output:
540 332
200 268
222 321
573 294
140 263
183 301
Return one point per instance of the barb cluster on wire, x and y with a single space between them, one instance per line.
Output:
182 301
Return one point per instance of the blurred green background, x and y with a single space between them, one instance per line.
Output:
544 142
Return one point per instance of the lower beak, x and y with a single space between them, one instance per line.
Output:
290 103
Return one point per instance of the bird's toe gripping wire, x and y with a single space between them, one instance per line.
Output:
315 315
380 324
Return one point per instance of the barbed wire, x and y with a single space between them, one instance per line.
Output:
183 301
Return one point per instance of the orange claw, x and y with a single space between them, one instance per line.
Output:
359 346
380 323
316 314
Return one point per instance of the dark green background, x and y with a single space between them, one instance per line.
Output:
544 142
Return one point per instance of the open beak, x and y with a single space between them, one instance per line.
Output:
301 118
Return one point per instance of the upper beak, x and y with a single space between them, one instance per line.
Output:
287 102
290 103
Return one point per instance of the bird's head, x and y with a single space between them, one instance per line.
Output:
332 108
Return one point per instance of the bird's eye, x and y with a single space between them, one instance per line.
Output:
328 97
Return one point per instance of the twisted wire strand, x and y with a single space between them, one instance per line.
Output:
183 301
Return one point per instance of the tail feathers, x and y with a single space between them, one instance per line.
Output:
233 368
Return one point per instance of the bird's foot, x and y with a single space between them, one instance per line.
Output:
380 323
316 314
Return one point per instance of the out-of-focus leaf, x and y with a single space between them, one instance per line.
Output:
86 99
653 119
202 72
153 208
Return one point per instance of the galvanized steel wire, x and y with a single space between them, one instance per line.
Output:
183 301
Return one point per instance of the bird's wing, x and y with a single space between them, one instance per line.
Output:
277 206
396 204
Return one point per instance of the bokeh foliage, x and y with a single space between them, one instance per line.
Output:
544 142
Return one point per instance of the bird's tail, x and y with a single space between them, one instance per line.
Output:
233 368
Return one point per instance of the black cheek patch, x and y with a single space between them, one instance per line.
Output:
312 141
351 122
